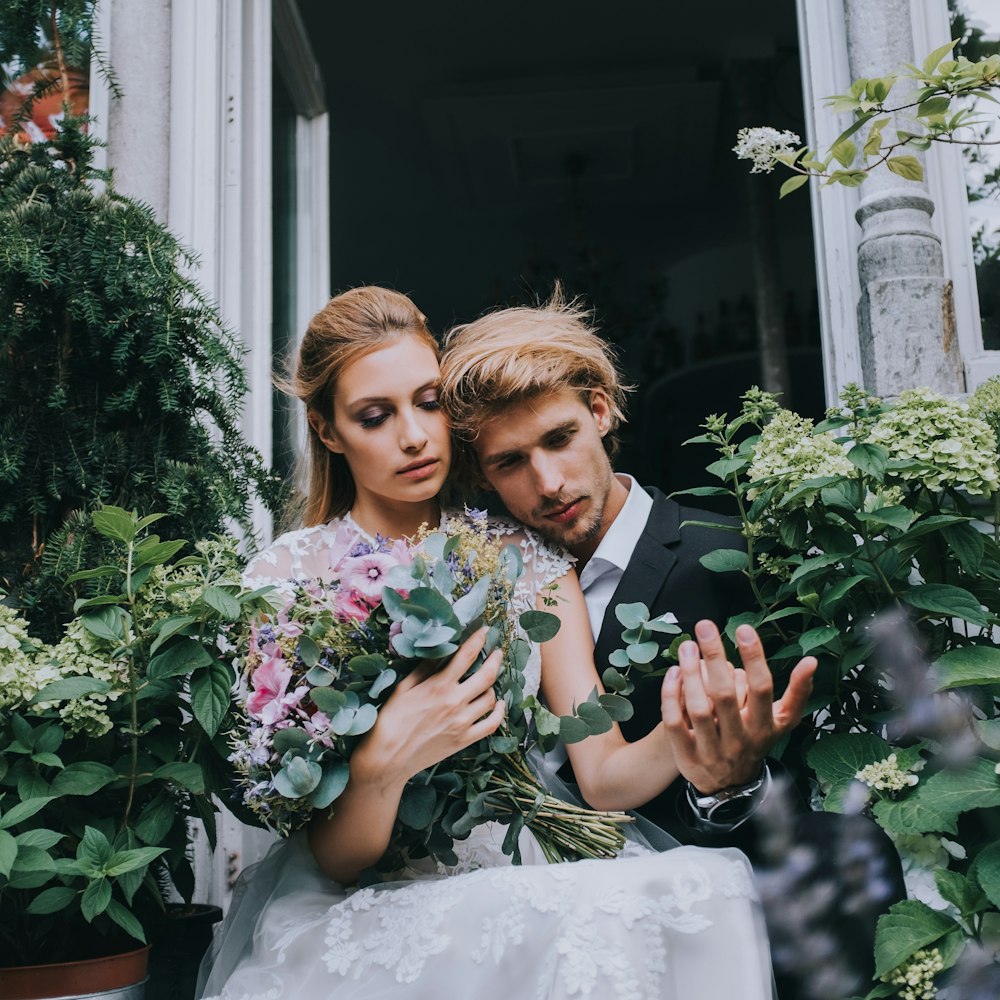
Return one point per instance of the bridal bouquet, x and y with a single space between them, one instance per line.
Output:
314 675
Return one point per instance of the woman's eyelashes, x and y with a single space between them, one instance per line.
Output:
370 419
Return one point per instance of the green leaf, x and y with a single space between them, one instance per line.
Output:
834 594
869 458
95 899
52 900
908 926
157 553
105 623
837 758
298 778
572 729
69 689
844 152
184 774
83 778
987 871
155 820
793 184
539 626
8 852
613 680
367 664
725 560
632 615
725 467
124 919
416 807
596 718
817 637
968 665
938 105
617 707
989 732
385 680
127 861
181 658
907 167
97 573
946 600
935 803
168 627
963 892
967 544
21 811
333 782
792 529
296 739
39 838
222 601
932 61
894 517
210 696
113 522
308 651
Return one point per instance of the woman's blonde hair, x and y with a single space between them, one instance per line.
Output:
520 353
350 326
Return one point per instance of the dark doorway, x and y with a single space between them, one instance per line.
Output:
479 152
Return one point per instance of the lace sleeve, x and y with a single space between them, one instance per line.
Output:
543 563
306 554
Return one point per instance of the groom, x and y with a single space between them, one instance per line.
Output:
537 395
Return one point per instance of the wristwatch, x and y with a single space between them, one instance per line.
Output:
732 806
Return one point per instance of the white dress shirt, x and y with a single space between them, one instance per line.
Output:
600 577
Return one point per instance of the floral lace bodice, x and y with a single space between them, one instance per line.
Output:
313 554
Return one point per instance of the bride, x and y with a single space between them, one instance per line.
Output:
676 924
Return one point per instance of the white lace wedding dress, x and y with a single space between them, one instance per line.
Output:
682 924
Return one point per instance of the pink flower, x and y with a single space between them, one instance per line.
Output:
352 604
366 575
270 682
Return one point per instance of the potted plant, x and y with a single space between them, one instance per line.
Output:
110 743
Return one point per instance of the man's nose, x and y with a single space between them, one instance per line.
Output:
549 480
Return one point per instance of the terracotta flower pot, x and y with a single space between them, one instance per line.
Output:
114 976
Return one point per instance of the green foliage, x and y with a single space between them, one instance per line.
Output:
118 382
937 97
110 742
886 508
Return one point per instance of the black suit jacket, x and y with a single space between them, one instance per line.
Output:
665 574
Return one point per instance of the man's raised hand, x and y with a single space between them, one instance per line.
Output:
720 732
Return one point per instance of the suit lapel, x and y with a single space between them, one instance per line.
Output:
646 573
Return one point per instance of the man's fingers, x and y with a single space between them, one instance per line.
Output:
697 703
789 708
760 684
720 677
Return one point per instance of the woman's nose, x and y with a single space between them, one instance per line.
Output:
412 436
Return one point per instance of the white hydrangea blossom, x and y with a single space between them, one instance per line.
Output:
887 776
916 975
23 672
960 448
762 145
788 448
921 855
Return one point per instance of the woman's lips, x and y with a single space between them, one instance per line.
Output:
420 470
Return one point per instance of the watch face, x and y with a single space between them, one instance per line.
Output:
732 810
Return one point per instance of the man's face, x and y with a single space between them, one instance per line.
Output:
546 459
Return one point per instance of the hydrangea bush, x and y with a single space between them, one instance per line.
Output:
111 740
870 542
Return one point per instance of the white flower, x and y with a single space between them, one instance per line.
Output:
788 448
886 775
762 145
955 448
916 975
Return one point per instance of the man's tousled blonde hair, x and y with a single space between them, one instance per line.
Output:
524 352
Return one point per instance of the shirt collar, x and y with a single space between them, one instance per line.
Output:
619 543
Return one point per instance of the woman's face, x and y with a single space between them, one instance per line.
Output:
389 426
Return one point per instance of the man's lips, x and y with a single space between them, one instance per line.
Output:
420 469
565 513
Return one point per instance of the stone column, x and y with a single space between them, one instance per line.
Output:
906 319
